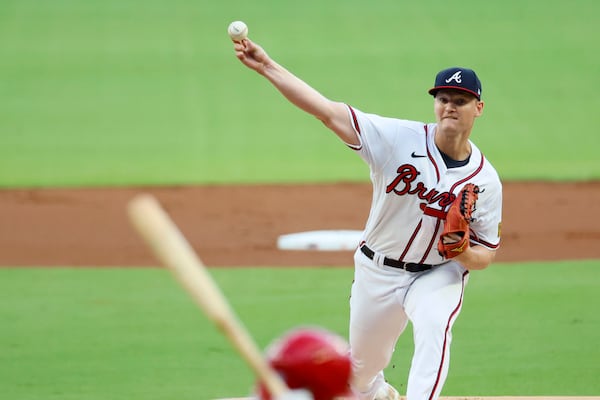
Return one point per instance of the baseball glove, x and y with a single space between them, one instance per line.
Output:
455 237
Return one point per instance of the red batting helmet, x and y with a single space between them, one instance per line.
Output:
313 359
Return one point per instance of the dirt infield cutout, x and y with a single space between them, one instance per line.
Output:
240 225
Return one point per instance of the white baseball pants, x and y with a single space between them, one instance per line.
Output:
383 300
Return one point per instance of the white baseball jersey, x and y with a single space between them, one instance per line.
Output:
413 189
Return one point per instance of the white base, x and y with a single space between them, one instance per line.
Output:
326 240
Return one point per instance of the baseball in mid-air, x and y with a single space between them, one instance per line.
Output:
237 30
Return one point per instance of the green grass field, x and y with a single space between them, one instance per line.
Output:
128 92
525 329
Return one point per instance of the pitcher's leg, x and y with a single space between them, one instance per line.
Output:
433 303
377 319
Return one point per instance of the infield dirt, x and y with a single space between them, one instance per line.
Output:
239 225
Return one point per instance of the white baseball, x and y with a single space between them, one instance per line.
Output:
237 30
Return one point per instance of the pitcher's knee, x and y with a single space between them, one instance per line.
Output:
428 325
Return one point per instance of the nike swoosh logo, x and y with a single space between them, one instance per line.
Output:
413 155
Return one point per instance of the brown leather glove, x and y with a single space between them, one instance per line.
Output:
455 237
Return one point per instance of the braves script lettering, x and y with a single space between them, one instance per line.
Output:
405 184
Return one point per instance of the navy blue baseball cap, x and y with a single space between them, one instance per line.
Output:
457 78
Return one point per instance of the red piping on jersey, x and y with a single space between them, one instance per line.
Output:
354 119
452 316
478 170
437 171
431 242
475 239
356 128
410 241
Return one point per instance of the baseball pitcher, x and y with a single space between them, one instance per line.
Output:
435 215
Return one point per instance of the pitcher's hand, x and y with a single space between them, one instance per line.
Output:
251 55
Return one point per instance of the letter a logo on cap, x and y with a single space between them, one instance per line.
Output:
456 77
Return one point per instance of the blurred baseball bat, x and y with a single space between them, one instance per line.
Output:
172 249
